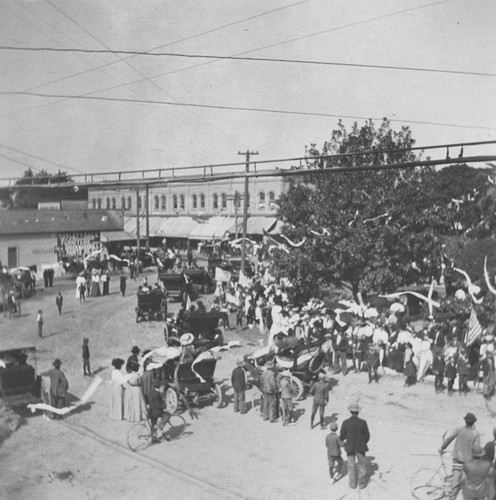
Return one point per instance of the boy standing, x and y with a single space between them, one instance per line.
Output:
287 396
320 392
333 445
86 358
450 374
59 300
438 367
39 319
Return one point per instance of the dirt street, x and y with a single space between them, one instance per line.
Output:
221 454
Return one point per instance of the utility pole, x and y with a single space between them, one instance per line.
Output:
245 208
138 236
147 215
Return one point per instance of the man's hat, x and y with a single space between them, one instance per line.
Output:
478 451
285 373
354 408
269 364
322 374
470 418
135 349
57 363
240 362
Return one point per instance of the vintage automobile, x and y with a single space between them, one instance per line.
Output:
176 284
186 382
151 305
201 281
19 382
304 362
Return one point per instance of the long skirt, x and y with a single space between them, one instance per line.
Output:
117 402
134 404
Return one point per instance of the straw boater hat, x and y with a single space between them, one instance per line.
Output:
354 408
240 362
285 373
269 364
186 338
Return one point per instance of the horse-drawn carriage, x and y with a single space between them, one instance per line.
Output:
176 284
150 306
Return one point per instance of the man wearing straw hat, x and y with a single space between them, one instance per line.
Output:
355 435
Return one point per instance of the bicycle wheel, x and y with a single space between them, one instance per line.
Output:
429 484
138 437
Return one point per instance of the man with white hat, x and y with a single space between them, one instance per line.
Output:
355 435
238 381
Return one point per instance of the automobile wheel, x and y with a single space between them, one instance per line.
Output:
316 363
171 400
297 387
218 401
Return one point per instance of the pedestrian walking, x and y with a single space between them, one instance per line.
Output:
286 389
476 470
39 320
465 439
238 381
334 458
269 390
355 435
59 300
58 386
489 449
320 392
123 280
86 358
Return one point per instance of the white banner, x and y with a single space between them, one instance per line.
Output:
221 275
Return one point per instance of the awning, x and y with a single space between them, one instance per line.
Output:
176 227
256 225
214 228
108 236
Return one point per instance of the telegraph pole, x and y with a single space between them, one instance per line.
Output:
245 208
138 235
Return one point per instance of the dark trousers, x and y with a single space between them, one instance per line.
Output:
373 373
239 401
462 383
341 361
269 406
335 465
451 381
86 366
438 382
318 406
59 307
57 402
40 329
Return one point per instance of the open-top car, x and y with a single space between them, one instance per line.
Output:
151 305
19 382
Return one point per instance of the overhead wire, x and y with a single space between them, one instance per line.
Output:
251 59
154 84
242 108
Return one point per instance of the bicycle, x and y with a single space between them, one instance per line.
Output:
140 436
432 484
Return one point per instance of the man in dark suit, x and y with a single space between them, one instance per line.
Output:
238 380
355 435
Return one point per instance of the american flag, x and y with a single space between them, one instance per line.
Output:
474 329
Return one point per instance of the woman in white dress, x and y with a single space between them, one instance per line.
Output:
117 381
134 402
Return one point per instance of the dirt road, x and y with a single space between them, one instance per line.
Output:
221 454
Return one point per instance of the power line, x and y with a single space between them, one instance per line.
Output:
198 35
240 108
250 59
336 156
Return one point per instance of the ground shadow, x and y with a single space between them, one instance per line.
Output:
332 382
329 419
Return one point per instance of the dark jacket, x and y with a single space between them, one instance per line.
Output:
238 379
268 382
438 365
320 392
58 382
156 404
355 434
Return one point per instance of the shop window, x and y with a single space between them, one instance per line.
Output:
123 203
156 202
93 203
129 203
107 203
194 201
215 201
202 200
261 198
163 200
224 200
99 203
182 202
174 201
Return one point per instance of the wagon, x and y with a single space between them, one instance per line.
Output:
151 306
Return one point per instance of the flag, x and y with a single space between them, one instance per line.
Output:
221 275
474 329
188 302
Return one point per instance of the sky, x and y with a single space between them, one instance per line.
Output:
118 134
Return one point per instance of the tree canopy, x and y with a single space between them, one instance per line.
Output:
369 230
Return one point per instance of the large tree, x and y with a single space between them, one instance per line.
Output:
377 230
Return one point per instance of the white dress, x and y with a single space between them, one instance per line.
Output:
117 394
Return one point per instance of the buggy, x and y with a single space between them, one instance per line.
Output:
201 281
151 306
176 284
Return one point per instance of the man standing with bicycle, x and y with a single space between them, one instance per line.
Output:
465 439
